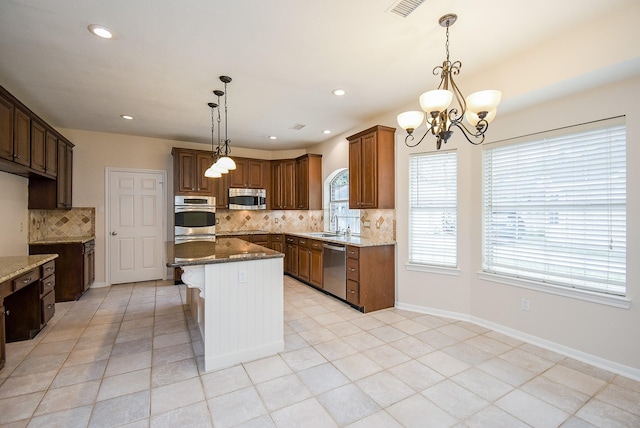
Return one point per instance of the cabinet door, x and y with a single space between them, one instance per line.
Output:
6 128
38 146
302 183
65 168
21 138
304 263
204 185
51 155
238 176
256 171
289 184
369 171
185 172
355 147
3 355
315 270
220 191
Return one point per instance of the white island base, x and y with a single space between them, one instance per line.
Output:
239 307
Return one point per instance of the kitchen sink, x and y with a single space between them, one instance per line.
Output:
326 235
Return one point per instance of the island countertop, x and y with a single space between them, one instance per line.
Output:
220 250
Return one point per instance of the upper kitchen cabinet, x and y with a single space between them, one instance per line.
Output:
372 168
283 185
308 172
6 128
47 193
21 137
250 173
188 172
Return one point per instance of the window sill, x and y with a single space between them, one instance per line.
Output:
432 269
589 296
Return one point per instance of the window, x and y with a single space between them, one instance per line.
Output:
555 208
340 216
433 217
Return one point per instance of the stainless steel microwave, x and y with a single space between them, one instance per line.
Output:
247 199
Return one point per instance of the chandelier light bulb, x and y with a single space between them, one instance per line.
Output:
484 100
213 172
436 100
220 167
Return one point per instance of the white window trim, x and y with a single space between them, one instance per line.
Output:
416 267
558 290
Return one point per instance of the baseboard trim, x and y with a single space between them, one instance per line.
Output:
584 357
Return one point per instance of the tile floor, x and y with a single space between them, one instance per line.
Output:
130 355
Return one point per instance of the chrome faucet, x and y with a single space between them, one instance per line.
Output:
335 217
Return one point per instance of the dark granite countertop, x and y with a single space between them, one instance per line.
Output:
220 250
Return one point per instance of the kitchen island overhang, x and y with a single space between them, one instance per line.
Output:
235 293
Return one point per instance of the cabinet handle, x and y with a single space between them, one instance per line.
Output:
50 305
26 281
352 292
48 268
7 312
352 269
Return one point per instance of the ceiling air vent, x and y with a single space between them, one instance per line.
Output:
297 127
404 7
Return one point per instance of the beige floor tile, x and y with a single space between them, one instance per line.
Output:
335 349
436 339
623 398
574 379
357 366
224 381
173 372
88 355
443 363
128 363
124 384
53 348
416 375
134 334
384 388
322 378
363 341
266 369
132 347
170 354
39 364
454 399
19 408
417 411
526 360
303 358
120 410
236 407
415 348
195 415
76 417
506 371
482 384
494 417
308 413
348 404
282 392
380 419
171 339
21 385
532 410
173 396
79 374
554 393
386 356
68 397
602 414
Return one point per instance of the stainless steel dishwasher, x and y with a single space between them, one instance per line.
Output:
334 271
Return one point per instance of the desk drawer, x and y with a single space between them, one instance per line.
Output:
26 279
353 269
48 307
48 268
47 285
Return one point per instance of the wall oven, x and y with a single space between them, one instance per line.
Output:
194 218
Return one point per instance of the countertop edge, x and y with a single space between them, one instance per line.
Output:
64 240
26 264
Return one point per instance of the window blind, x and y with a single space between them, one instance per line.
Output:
433 203
554 209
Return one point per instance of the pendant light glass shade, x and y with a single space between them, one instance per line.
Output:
483 101
410 119
436 100
213 172
227 163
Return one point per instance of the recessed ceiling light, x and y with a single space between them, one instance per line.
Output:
100 31
273 137
126 116
338 92
326 131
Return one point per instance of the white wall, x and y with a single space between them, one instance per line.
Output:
13 204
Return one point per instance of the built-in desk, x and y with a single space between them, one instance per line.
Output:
27 297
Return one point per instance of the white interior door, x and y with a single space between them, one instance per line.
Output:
136 226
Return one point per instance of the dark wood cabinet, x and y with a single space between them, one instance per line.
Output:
308 182
75 267
65 174
276 242
283 185
250 173
371 277
38 146
372 168
291 255
3 338
220 191
304 259
188 172
21 137
6 128
51 155
49 193
315 264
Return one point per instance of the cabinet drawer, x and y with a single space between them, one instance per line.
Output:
303 242
26 279
315 245
48 268
353 270
48 307
291 240
47 284
353 292
353 252
276 238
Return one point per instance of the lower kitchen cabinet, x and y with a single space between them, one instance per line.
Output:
315 263
75 267
291 255
371 277
276 242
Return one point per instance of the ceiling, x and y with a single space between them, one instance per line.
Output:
285 58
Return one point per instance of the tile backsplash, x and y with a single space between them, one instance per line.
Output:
47 224
382 223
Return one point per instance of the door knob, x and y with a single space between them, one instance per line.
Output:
114 233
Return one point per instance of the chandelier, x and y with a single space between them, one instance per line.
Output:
479 108
222 163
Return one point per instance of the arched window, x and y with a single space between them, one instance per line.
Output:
340 216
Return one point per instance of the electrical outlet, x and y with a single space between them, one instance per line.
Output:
276 220
21 226
367 223
242 276
524 304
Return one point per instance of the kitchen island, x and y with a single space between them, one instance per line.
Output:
235 292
